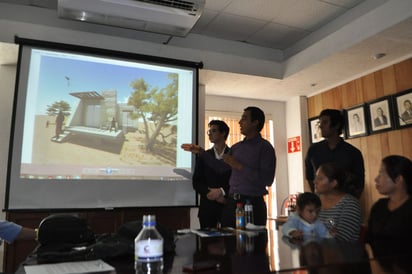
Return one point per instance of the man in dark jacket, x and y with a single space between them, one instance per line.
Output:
211 176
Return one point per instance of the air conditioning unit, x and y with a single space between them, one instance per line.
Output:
172 17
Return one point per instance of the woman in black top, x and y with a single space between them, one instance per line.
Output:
390 221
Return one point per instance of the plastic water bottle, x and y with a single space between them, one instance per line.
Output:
240 216
249 213
148 248
240 242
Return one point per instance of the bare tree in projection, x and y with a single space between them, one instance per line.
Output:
156 107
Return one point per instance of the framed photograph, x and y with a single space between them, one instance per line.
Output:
355 122
380 115
315 134
403 108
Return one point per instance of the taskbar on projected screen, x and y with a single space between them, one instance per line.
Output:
98 177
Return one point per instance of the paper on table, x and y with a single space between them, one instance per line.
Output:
69 267
210 233
255 227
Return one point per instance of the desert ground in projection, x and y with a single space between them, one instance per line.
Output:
94 151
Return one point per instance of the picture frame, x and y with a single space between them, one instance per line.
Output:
380 115
314 130
355 121
403 108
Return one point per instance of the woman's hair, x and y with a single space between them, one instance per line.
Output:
334 172
397 165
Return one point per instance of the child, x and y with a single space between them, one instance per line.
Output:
304 223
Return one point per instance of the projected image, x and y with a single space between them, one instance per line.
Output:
89 117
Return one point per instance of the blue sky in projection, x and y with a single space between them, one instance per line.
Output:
60 76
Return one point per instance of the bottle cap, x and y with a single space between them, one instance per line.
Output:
149 220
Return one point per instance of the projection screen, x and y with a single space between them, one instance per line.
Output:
95 128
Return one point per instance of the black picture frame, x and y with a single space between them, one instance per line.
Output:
403 108
356 121
383 121
314 130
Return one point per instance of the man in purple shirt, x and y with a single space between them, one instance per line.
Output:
253 162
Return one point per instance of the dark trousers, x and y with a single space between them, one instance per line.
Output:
210 213
259 211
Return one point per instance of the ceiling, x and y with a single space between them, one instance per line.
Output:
271 49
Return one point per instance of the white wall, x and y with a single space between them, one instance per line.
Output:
7 79
296 120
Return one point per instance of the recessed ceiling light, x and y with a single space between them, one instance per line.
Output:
378 56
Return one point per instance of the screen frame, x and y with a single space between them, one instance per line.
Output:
101 53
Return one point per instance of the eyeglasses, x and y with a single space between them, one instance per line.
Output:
210 131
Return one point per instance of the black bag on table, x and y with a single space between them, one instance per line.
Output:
65 229
63 238
66 238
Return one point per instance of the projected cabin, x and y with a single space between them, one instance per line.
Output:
97 116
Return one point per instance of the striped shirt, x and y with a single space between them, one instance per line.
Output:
345 216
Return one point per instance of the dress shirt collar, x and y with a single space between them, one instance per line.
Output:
219 155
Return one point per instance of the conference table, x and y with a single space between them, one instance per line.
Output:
258 251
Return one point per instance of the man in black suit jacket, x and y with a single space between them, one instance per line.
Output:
211 176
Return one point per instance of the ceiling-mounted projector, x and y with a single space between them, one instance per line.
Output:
172 17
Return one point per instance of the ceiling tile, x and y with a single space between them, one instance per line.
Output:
277 36
308 14
232 27
217 5
258 9
344 3
204 20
